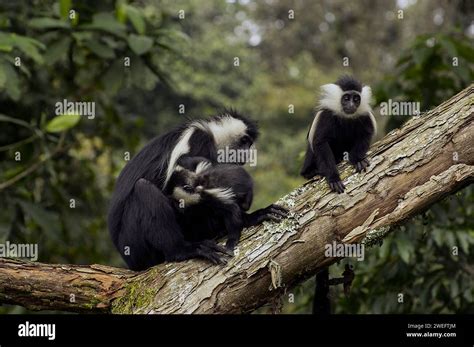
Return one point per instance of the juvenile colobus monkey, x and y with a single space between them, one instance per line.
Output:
142 220
344 123
213 200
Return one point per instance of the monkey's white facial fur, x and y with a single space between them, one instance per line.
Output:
331 95
227 131
180 195
224 195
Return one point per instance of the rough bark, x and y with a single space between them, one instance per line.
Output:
431 156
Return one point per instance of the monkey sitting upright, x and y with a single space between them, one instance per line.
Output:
343 124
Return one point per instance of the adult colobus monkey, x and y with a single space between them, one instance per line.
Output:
142 220
213 199
343 124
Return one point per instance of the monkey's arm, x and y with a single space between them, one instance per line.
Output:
326 164
357 154
233 224
237 219
272 212
319 156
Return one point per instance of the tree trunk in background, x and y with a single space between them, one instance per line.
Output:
430 157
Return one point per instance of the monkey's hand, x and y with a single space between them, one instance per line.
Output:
337 186
272 212
362 165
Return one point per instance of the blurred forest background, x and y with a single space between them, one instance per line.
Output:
183 52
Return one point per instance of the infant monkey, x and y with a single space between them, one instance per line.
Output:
213 200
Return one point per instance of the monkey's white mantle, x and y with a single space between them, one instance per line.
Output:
430 157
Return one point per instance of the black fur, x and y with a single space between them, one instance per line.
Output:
349 83
142 221
334 136
211 218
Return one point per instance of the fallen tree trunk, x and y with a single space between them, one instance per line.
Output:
431 156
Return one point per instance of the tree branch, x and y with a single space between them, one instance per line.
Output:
430 157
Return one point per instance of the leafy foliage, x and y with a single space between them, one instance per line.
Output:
431 70
57 170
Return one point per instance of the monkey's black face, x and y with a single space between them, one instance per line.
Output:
350 102
244 145
186 187
234 136
245 142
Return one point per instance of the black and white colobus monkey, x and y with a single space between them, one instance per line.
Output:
142 220
213 200
344 123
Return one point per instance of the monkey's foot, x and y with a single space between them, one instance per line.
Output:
362 165
209 250
230 245
337 186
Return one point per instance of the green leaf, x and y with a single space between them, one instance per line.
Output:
438 236
62 122
4 47
421 55
113 78
29 46
64 7
57 50
454 287
136 18
120 11
140 44
449 46
12 88
47 23
468 295
47 220
100 49
404 248
463 239
142 76
3 76
451 241
105 21
466 51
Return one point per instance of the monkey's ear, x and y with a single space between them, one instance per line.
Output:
365 100
331 95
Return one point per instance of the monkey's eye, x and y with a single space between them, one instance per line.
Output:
346 97
246 140
187 188
356 98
